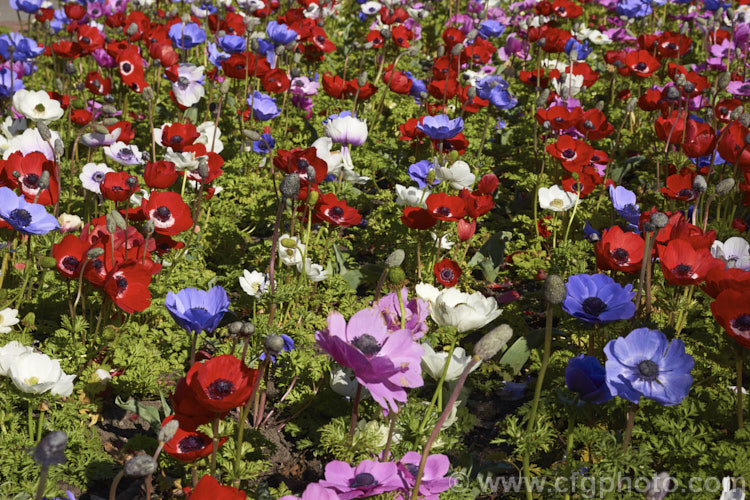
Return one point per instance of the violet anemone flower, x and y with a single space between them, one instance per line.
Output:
586 376
280 34
188 89
384 361
198 310
232 44
597 298
367 479
434 481
347 130
124 154
263 106
186 36
645 364
415 313
314 491
441 127
6 77
625 204
25 217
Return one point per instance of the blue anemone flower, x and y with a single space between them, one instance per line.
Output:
280 34
25 217
419 171
441 127
586 376
288 346
28 6
25 48
625 204
262 147
491 29
597 298
645 364
186 36
263 106
232 44
5 82
198 310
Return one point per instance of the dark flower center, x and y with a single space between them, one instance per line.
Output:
671 46
686 193
125 153
412 469
176 139
742 322
122 283
126 68
86 40
682 270
20 217
363 479
70 263
620 255
191 443
367 344
641 66
594 306
336 213
98 177
220 388
31 180
444 211
569 153
744 88
162 214
648 369
447 274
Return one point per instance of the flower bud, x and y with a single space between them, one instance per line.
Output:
659 220
736 113
541 100
441 51
43 130
109 121
132 182
132 29
466 229
471 92
224 89
554 289
279 50
396 276
312 198
680 80
273 344
648 227
453 156
744 118
70 68
149 227
43 182
95 253
457 49
431 177
699 184
600 105
385 33
725 186
140 466
251 134
16 174
747 138
395 259
168 430
288 243
492 342
362 79
248 328
673 93
689 87
51 449
111 224
48 262
234 328
203 170
290 186
471 35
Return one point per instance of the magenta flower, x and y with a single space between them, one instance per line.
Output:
416 312
385 362
367 479
314 491
433 480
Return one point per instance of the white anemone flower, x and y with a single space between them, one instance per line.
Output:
291 250
314 272
92 176
8 318
8 354
210 137
31 141
452 307
344 383
188 89
37 373
254 283
735 252
37 105
347 131
411 196
729 493
433 363
69 222
557 199
334 159
458 175
182 161
568 85
444 242
124 154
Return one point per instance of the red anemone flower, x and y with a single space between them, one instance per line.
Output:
418 218
70 254
275 81
619 250
179 135
731 309
209 488
98 84
171 215
680 186
681 264
159 174
127 286
336 212
476 204
221 383
118 186
30 167
334 85
447 272
188 446
445 207
572 153
719 279
641 63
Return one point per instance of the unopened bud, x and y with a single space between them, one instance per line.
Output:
648 227
168 430
725 186
251 134
396 276
59 148
699 184
140 466
471 35
109 121
385 33
273 344
554 289
457 49
149 227
288 243
224 86
290 186
132 182
51 449
295 72
95 253
395 259
203 170
43 130
16 174
279 49
689 87
108 109
101 129
492 342
541 100
441 51
680 80
362 79
659 220
673 93
248 328
234 328
43 182
70 68
132 29
78 103
185 18
599 105
744 119
630 106
471 92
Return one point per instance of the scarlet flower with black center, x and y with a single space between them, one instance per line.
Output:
418 218
594 125
336 212
188 446
445 67
671 44
334 85
179 135
89 38
118 186
476 203
97 84
69 255
452 36
651 100
130 66
732 146
457 143
221 383
170 214
536 78
320 40
66 49
641 63
30 167
723 109
566 9
619 250
159 174
190 413
581 183
409 130
209 488
74 10
298 161
679 228
445 207
164 53
447 272
700 139
81 116
397 81
393 16
165 244
572 153
402 36
365 92
559 117
443 89
142 22
731 309
275 81
719 279
681 264
243 65
127 286
127 133
680 186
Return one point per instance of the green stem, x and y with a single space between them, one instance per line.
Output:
43 474
215 438
40 426
30 411
740 362
438 389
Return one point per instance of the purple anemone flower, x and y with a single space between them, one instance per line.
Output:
314 491
5 82
441 127
263 106
198 310
645 364
625 204
232 44
419 171
25 217
491 29
415 312
280 34
385 362
741 89
367 479
434 481
28 6
586 376
597 298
